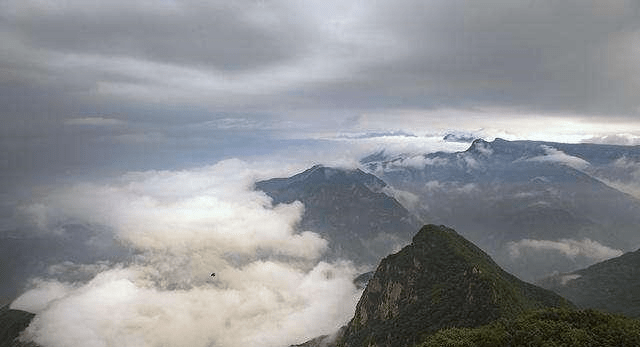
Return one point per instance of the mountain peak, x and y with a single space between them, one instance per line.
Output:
481 147
431 232
439 280
320 174
348 208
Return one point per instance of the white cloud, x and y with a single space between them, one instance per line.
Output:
264 304
206 208
433 185
269 289
624 139
622 174
418 162
567 247
557 156
42 294
409 200
470 161
450 187
400 144
564 279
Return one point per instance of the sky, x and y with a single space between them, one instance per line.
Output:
163 107
142 83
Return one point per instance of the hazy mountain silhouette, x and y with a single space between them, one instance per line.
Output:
348 208
612 285
502 192
439 280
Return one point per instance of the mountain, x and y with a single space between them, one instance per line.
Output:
525 202
439 280
548 327
349 208
612 285
12 322
26 253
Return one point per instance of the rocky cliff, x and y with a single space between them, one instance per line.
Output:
440 280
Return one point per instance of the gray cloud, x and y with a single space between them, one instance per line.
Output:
94 121
571 56
226 79
219 35
528 54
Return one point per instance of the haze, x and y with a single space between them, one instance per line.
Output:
132 133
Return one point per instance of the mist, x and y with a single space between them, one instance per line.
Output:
269 288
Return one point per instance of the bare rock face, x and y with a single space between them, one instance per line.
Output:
439 280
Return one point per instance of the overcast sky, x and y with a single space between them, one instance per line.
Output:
146 84
117 115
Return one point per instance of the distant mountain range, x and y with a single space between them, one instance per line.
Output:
612 285
537 207
349 208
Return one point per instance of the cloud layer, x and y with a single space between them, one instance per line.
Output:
569 248
556 156
220 79
573 56
269 288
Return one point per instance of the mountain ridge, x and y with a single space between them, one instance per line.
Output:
349 208
12 323
612 285
503 192
439 280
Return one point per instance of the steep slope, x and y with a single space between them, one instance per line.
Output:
549 327
502 194
612 285
349 208
439 280
12 322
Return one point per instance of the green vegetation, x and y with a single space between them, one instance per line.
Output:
548 327
439 281
612 285
12 322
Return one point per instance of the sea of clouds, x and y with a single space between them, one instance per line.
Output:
270 288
